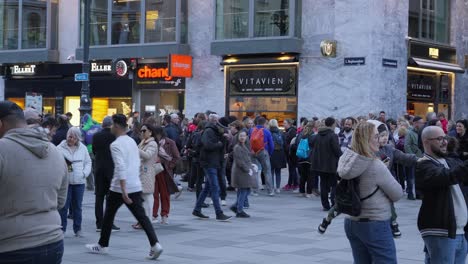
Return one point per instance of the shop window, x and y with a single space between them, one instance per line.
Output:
125 22
34 24
429 20
258 18
108 106
98 22
9 25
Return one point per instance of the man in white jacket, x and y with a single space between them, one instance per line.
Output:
125 188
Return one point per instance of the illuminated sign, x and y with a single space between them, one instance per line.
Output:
97 67
156 76
434 53
148 72
121 68
180 65
23 70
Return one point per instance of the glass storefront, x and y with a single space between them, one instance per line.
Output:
429 20
108 106
129 24
242 19
31 33
48 104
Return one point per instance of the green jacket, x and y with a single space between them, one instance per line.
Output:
411 144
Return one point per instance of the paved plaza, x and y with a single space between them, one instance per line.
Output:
282 229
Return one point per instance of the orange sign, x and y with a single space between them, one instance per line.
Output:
180 65
151 73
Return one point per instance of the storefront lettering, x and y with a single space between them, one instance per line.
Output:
31 69
148 72
259 81
95 67
427 87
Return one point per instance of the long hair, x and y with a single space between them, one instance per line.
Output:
361 137
308 128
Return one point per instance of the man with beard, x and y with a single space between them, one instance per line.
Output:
443 216
346 134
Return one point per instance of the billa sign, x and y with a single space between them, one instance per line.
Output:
180 65
421 86
267 80
156 76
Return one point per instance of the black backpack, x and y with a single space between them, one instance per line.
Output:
348 199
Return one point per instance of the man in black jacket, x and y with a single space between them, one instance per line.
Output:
211 160
290 133
61 133
104 167
325 152
443 215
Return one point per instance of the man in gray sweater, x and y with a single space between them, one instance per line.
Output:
33 184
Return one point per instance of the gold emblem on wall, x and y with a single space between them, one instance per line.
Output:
328 48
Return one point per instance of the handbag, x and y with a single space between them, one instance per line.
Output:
158 168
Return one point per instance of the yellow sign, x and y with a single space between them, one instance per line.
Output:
434 53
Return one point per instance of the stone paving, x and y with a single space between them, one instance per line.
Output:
282 229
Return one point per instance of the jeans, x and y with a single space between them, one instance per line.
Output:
444 250
114 202
75 200
242 194
47 254
199 178
211 186
277 174
327 186
306 178
161 194
263 158
371 242
292 169
410 181
148 201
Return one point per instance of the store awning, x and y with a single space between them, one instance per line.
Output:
436 65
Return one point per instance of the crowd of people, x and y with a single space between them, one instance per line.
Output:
139 163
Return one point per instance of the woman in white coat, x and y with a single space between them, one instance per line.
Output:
149 167
79 167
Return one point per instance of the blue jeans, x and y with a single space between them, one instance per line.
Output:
47 254
242 194
276 173
444 250
211 186
371 242
75 200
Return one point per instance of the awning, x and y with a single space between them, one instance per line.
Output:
436 65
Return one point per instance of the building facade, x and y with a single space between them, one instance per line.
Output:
279 58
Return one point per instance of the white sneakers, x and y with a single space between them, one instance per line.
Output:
223 202
164 220
155 251
96 249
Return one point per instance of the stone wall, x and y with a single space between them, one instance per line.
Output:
459 37
362 28
68 27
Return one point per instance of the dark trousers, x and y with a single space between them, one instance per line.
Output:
99 209
327 187
292 169
47 254
114 202
306 178
222 181
199 177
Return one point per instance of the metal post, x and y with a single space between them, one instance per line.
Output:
85 100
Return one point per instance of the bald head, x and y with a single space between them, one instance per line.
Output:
434 141
432 132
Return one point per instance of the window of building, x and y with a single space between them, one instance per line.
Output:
237 19
160 22
9 25
429 20
34 24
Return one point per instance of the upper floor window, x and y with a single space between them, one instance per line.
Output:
429 20
257 18
32 32
160 21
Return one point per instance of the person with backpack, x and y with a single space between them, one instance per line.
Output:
278 158
369 231
262 146
303 161
193 150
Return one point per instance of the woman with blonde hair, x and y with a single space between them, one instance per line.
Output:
305 174
79 167
370 233
278 158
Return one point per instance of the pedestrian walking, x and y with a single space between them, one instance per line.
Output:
30 231
79 167
278 157
125 189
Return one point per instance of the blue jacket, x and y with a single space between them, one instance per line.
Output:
269 145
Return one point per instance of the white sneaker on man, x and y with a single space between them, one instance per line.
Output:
96 249
278 190
164 220
155 251
223 202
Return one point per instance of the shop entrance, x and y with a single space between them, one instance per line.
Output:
160 102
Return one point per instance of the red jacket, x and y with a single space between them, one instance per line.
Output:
444 123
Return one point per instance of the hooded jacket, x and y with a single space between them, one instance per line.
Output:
33 185
80 162
325 151
372 173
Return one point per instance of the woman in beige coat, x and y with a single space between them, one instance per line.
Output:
149 159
